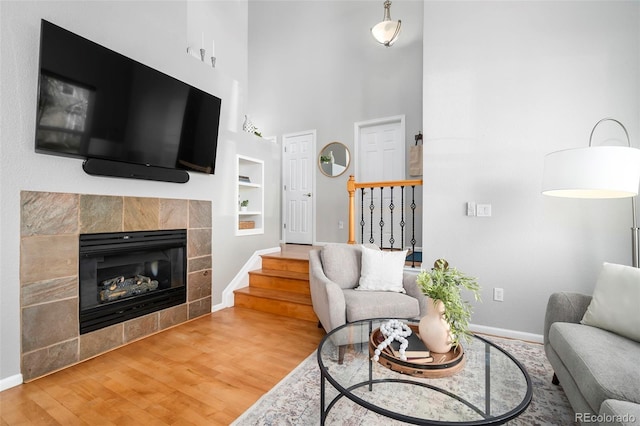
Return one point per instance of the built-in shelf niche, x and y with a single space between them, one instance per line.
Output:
250 187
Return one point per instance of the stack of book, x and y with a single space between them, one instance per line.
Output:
416 352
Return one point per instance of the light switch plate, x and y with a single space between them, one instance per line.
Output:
483 210
471 208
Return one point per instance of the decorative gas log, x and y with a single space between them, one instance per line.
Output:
119 287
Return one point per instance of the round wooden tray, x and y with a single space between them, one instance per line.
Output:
443 365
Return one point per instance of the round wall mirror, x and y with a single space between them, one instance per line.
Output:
334 159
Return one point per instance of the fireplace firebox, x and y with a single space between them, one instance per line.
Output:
124 275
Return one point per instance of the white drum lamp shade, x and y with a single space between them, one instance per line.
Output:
597 172
593 172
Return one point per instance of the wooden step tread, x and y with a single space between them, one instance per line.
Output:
286 296
302 256
285 257
280 263
282 274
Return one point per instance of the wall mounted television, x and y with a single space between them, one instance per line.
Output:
124 118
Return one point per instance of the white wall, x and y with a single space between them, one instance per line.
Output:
155 33
504 84
315 65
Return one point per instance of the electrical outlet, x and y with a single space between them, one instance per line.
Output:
498 294
340 224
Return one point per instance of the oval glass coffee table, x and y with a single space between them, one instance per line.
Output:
492 387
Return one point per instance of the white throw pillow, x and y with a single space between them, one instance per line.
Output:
616 301
382 270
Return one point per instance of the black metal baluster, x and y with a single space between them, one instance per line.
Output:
402 223
413 225
362 222
391 207
371 208
381 213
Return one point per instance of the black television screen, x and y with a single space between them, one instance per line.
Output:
96 103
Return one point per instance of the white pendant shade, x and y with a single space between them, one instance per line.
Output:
593 172
386 32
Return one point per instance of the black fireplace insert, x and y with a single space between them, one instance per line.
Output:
124 275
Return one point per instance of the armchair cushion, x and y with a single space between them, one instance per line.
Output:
379 304
614 306
341 263
382 270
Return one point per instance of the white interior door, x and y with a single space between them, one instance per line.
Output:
298 205
380 151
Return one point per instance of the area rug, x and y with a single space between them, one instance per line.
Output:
296 399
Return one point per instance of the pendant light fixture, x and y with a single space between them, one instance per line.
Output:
386 32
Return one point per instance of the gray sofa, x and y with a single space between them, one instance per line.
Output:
598 370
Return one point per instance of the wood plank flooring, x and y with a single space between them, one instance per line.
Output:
204 372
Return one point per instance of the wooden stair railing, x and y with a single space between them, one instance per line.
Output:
352 186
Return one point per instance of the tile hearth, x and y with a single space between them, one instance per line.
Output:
50 226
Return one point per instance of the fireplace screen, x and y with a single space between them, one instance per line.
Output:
124 275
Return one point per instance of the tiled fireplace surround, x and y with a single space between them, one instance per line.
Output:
50 226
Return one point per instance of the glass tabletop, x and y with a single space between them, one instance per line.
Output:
491 388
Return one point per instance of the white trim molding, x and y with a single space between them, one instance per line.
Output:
509 334
10 382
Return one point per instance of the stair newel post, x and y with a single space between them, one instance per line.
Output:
351 189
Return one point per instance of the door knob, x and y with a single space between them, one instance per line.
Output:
307 194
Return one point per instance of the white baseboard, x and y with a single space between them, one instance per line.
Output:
218 307
10 382
241 279
509 334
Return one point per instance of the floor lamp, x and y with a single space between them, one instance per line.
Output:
597 172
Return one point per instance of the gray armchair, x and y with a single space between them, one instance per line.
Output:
334 272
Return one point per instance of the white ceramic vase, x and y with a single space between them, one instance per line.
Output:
434 330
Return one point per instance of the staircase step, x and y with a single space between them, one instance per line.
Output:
291 281
293 305
280 263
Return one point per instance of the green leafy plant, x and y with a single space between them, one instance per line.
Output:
244 203
446 284
325 159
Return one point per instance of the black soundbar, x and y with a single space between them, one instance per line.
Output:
99 167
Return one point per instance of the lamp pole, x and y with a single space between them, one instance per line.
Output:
635 232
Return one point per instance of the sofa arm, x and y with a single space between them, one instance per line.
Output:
565 307
411 287
327 297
